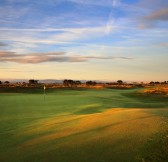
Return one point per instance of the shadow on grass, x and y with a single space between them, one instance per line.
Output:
125 100
89 110
26 90
39 90
147 97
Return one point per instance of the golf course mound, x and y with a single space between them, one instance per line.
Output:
83 125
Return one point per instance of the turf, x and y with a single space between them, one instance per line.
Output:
80 125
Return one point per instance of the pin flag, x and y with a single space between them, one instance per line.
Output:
44 92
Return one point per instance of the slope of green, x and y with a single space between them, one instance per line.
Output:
77 125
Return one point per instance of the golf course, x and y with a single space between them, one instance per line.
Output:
83 125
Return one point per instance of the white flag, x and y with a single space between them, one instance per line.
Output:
44 87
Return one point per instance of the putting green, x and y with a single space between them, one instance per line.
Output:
79 125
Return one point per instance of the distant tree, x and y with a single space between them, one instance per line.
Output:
0 82
91 83
32 81
152 82
165 82
65 83
77 83
94 83
71 83
119 81
88 83
68 83
6 82
157 82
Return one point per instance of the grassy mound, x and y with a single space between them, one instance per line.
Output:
79 125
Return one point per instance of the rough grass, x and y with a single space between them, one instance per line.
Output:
157 90
80 126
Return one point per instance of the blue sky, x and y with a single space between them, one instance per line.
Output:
84 39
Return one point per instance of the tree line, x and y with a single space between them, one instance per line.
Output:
76 83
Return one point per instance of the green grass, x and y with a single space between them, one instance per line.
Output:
79 125
156 148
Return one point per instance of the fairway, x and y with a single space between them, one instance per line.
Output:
81 125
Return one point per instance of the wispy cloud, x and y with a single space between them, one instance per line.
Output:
160 15
106 3
111 20
115 3
20 71
31 38
17 70
2 44
33 58
153 4
12 12
7 54
164 44
85 30
156 13
82 2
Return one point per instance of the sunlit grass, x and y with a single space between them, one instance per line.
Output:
78 126
120 120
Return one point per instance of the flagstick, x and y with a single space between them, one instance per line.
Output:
44 95
44 92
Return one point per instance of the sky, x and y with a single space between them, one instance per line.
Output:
84 39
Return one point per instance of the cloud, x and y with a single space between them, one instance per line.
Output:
62 34
107 58
107 3
154 18
2 44
160 15
19 71
13 13
7 54
33 58
153 4
163 44
115 3
84 30
103 3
